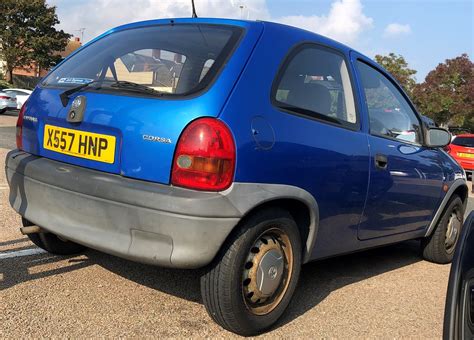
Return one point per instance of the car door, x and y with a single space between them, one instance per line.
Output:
406 178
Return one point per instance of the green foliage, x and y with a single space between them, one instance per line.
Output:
381 98
28 33
447 94
398 68
4 84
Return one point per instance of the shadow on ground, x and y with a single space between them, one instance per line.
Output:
317 281
12 113
10 242
16 270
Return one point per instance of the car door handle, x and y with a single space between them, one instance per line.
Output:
381 161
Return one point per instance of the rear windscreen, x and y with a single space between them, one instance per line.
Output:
464 141
173 59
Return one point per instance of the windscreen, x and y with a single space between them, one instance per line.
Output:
175 59
464 141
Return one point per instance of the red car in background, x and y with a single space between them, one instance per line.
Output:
462 150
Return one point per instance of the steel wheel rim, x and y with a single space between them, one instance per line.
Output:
260 293
452 231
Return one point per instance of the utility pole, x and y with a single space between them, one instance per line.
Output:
241 11
81 31
242 8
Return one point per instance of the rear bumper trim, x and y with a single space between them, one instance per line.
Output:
138 220
141 221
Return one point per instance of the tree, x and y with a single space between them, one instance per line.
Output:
447 94
398 68
27 34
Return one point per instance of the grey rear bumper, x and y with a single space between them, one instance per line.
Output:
141 221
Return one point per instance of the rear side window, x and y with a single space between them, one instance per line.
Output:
175 59
315 81
390 115
464 141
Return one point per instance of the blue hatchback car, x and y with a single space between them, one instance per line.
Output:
246 148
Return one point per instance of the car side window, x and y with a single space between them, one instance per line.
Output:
390 115
315 81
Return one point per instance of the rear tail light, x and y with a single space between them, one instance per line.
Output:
4 97
205 156
19 128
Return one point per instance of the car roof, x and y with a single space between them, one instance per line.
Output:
269 27
242 23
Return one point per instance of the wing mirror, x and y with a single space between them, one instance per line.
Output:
437 138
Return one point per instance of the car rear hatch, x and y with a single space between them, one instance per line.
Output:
131 92
464 147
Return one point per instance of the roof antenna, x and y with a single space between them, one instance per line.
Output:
194 9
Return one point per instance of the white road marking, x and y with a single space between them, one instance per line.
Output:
24 252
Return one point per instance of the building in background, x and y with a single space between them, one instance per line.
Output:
33 70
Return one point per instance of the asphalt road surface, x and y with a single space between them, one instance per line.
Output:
7 130
388 292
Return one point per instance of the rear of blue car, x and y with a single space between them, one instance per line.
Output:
109 130
121 149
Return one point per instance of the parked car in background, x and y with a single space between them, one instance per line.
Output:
7 101
459 310
462 150
21 95
246 148
457 130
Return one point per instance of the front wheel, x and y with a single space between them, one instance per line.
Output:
251 282
440 246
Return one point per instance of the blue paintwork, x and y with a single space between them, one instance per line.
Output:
130 117
359 205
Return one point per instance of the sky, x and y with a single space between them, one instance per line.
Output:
424 32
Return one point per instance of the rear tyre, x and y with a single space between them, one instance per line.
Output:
250 283
52 243
2 111
440 246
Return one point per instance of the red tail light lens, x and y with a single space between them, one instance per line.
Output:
4 97
19 128
205 156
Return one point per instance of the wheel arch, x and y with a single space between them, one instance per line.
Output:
298 202
459 187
